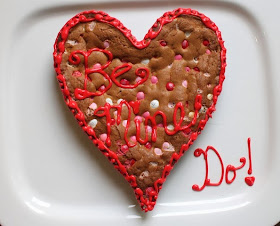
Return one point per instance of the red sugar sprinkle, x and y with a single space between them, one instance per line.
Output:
185 44
163 43
170 86
196 69
206 42
148 145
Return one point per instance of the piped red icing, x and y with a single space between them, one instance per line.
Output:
147 204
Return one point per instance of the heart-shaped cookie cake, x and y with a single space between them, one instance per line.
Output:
142 103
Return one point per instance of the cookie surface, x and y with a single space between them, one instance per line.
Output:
142 103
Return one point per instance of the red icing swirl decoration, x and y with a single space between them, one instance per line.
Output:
148 201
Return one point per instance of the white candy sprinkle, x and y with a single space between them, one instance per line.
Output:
199 91
206 74
154 104
91 26
109 101
188 33
195 60
119 101
191 114
153 163
71 42
171 105
210 96
93 123
144 174
170 127
146 61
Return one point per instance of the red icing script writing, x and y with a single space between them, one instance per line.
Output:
104 111
224 172
81 94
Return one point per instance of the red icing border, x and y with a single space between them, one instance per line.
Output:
147 204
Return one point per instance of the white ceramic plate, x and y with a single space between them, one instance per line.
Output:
52 175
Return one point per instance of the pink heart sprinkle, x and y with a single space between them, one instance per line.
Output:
139 118
185 83
158 151
178 57
93 106
165 145
146 114
208 51
140 96
133 138
103 137
187 69
154 79
97 66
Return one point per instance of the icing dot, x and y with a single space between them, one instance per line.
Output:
145 61
109 101
171 105
191 114
185 44
206 74
163 43
102 88
154 104
124 81
106 44
146 114
170 86
210 96
133 138
187 69
158 151
170 127
93 123
208 51
103 137
119 101
148 145
124 123
154 79
93 106
196 68
140 96
185 83
139 118
188 33
178 57
97 66
206 42
76 74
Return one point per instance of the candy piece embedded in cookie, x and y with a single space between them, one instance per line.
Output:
143 103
